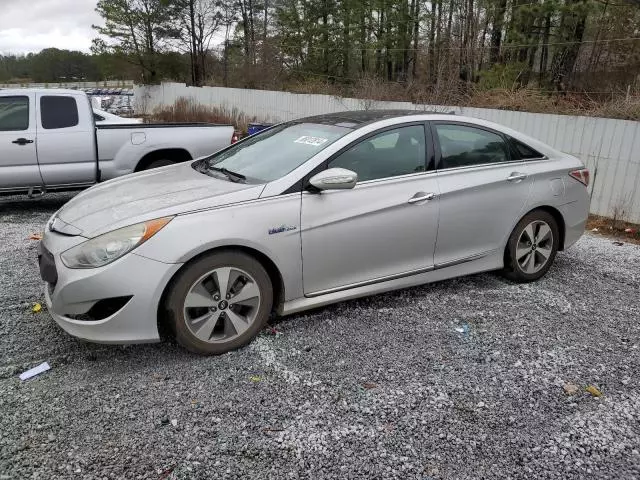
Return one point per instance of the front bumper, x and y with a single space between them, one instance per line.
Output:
76 291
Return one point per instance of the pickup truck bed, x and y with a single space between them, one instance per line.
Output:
49 141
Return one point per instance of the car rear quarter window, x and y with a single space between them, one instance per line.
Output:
58 112
523 151
465 146
14 113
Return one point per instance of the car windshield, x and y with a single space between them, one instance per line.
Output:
273 153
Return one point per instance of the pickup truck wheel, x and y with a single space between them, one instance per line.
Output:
219 302
159 163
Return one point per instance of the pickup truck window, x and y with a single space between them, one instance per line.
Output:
58 112
14 114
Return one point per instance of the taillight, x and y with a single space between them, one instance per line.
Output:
581 175
235 137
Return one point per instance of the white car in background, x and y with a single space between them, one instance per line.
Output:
105 118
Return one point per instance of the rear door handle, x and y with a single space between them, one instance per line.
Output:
516 177
422 197
22 141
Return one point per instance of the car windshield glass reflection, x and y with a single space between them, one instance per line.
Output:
273 153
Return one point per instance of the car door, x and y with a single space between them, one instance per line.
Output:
66 140
482 191
383 228
18 155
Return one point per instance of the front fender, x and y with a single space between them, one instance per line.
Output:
256 225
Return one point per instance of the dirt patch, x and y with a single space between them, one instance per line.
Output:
622 231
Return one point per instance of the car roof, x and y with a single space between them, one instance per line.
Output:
359 118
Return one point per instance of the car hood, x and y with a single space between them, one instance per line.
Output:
138 197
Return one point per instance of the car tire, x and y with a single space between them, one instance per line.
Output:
232 323
526 259
159 163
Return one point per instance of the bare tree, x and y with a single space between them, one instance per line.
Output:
197 22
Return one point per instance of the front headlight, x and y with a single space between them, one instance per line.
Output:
102 250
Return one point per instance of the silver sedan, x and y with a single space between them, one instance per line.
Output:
304 214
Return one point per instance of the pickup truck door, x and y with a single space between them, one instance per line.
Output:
66 140
18 157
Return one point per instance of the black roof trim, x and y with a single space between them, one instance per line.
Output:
360 118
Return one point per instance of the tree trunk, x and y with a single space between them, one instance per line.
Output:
432 45
416 37
252 33
544 53
484 36
573 23
438 40
379 39
388 44
195 60
346 38
363 37
496 32
225 80
325 36
245 27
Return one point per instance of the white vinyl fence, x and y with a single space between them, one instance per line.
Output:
610 148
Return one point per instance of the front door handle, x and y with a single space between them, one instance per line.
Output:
516 177
22 141
422 197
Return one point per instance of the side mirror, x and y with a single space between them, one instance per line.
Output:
334 179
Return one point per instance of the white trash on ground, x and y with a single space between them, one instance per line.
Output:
43 367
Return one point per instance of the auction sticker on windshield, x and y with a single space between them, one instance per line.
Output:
307 140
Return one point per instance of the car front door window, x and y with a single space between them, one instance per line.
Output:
400 151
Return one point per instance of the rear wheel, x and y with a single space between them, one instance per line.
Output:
219 303
159 163
532 247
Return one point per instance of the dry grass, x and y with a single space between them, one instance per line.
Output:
616 229
186 110
532 100
456 94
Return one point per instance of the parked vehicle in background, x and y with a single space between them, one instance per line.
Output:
254 128
50 141
105 118
304 214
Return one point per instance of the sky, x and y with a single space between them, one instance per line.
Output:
31 25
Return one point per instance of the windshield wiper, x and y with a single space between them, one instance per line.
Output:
233 176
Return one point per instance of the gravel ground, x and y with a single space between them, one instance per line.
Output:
383 387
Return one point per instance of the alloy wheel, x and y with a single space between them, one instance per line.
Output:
222 304
534 247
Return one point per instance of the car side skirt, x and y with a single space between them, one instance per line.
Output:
479 263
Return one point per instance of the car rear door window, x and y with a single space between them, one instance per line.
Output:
58 112
465 146
14 114
391 153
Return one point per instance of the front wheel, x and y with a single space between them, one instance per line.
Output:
219 302
532 247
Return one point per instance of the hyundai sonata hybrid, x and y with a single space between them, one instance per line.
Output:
304 214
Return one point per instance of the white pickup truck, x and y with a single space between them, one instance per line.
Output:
50 141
